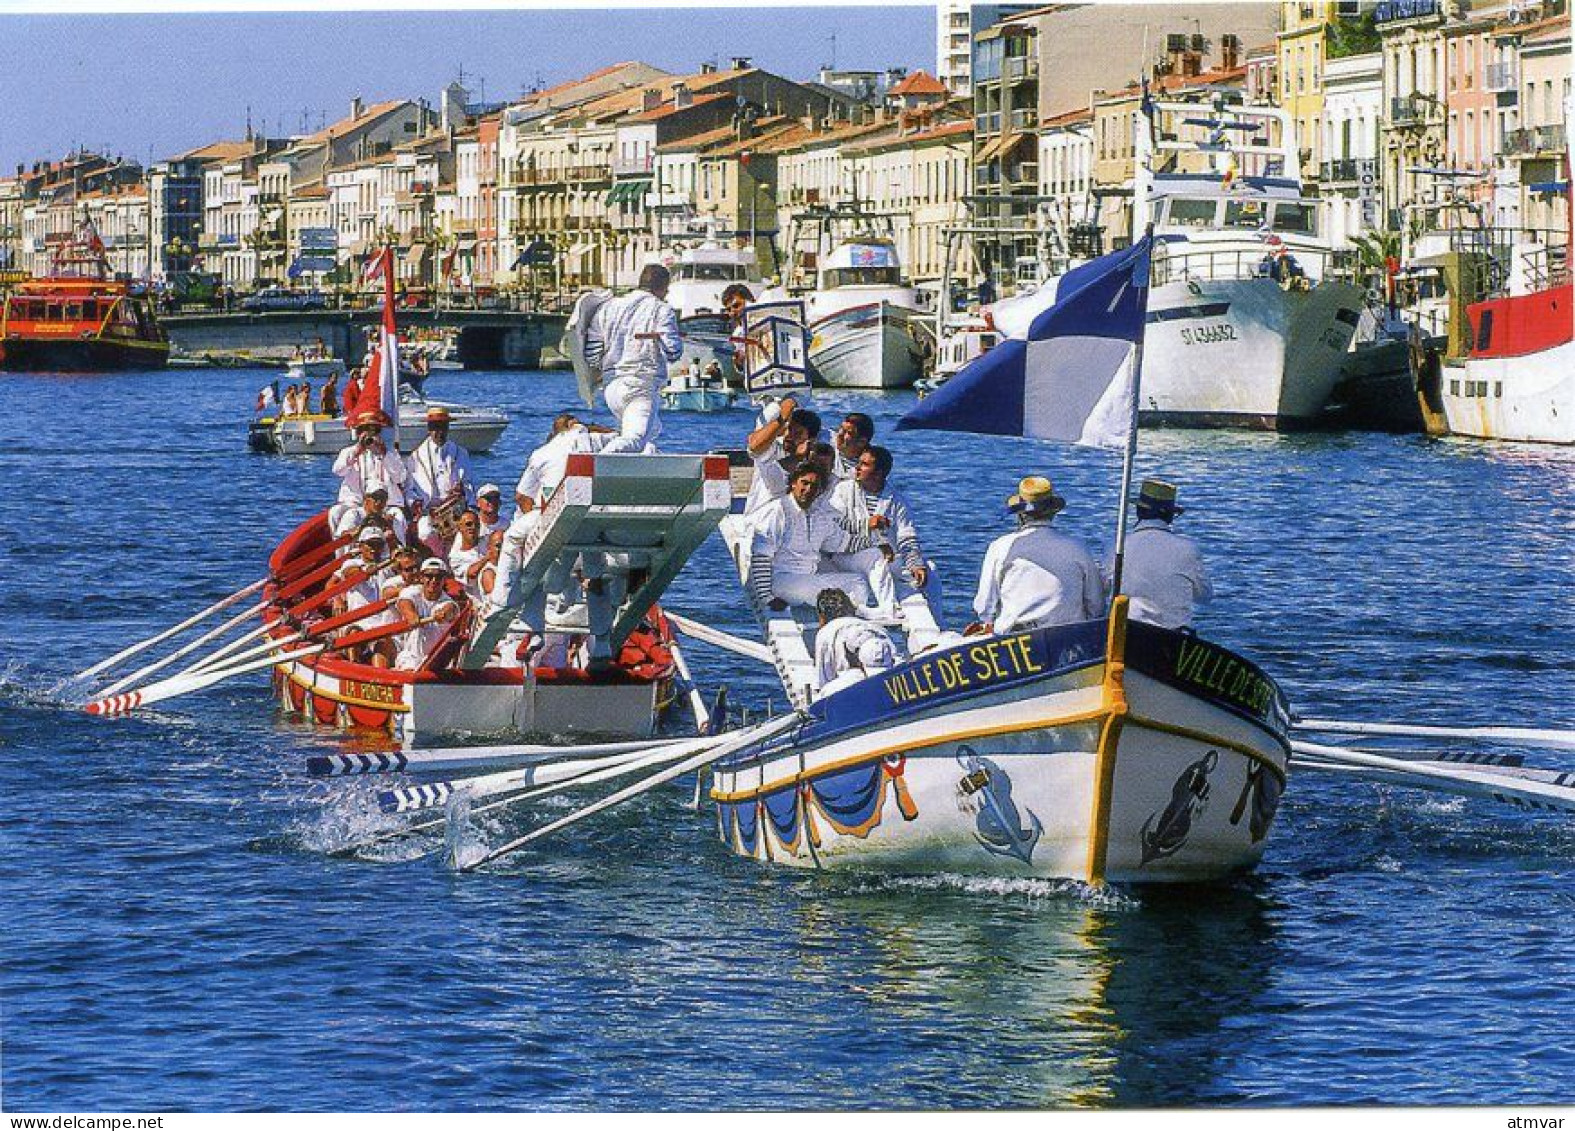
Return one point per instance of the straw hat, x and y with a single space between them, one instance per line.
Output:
437 414
372 418
1159 497
1035 495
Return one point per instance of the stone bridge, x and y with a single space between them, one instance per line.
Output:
488 339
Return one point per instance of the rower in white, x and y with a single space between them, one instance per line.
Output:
1162 571
852 439
373 510
371 547
895 565
489 506
632 340
439 473
366 464
789 557
427 609
778 444
840 638
1035 576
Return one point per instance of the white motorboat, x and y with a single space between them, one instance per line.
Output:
1246 326
866 329
474 429
701 273
958 345
314 367
693 389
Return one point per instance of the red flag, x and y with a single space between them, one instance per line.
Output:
380 390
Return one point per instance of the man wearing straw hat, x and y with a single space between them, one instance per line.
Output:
1035 576
439 474
1162 571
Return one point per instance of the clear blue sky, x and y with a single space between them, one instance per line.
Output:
170 82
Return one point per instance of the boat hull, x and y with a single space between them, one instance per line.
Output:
697 400
1244 352
1529 398
871 346
83 354
1038 758
325 436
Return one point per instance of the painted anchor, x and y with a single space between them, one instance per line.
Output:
999 828
1164 833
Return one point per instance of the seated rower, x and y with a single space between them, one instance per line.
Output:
367 464
371 549
489 506
841 633
1035 576
403 572
895 565
1162 571
793 537
778 445
372 511
874 656
427 609
467 555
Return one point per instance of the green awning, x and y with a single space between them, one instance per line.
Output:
629 192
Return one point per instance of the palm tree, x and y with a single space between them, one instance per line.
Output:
1374 250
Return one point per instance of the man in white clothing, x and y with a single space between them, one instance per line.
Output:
781 442
439 473
632 340
427 609
1034 576
852 438
841 634
1162 571
366 464
489 506
788 563
894 566
372 511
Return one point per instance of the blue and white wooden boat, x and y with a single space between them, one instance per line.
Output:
1106 751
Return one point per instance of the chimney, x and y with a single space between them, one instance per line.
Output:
357 107
1230 52
741 62
650 98
708 68
682 96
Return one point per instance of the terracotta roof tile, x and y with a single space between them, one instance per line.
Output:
919 82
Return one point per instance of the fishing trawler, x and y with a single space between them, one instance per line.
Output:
1248 328
79 318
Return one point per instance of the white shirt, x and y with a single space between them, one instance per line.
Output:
1036 576
788 539
857 506
418 642
771 478
352 516
1163 574
837 645
614 344
460 560
436 469
361 470
549 464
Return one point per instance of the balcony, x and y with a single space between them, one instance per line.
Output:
987 123
1025 175
1411 110
631 166
1502 77
1020 67
1534 142
1339 172
1025 119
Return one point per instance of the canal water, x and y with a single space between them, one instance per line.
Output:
174 937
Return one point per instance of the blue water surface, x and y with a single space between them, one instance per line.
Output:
174 935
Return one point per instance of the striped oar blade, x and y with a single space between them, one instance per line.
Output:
184 685
1513 785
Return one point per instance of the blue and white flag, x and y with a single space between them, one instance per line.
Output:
1070 378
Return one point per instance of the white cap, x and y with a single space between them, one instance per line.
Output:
434 565
489 489
371 534
876 654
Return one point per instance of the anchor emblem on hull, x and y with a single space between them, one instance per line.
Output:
1165 833
999 827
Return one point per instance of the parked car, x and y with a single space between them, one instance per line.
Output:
278 298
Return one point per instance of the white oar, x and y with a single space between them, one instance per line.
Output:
144 645
1467 782
1559 739
158 665
508 799
460 760
739 741
715 636
410 799
185 684
696 700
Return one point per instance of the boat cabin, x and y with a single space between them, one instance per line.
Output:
868 263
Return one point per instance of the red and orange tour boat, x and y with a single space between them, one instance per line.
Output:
79 318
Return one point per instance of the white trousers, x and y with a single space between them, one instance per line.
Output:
804 588
634 401
888 581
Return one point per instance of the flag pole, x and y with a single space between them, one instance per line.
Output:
1132 432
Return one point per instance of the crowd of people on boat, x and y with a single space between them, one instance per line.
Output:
829 530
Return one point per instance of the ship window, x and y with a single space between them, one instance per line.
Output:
1245 214
1454 388
52 312
1485 330
73 311
865 277
1498 388
1191 213
1295 218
